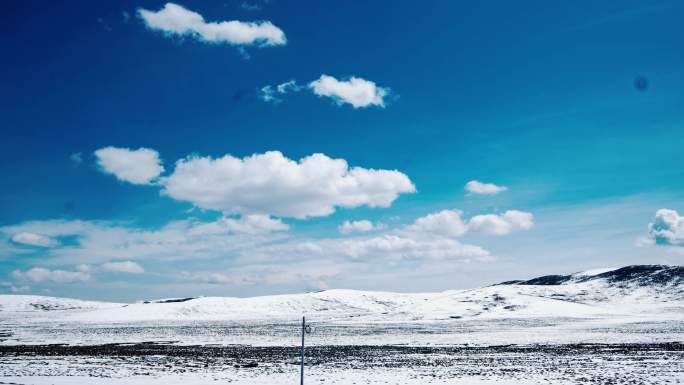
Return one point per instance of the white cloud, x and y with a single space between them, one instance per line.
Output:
249 250
395 247
139 166
667 228
476 187
272 94
99 242
359 226
104 243
247 224
449 223
39 274
289 86
510 221
272 184
387 247
268 94
173 19
251 240
32 239
446 223
355 91
129 267
219 278
311 272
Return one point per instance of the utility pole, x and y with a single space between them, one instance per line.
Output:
301 382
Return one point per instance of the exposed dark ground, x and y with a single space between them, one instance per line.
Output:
322 354
578 363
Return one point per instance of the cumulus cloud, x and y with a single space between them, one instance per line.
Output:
359 226
32 239
446 222
667 228
476 187
39 274
270 183
450 223
141 166
508 222
355 91
129 267
173 19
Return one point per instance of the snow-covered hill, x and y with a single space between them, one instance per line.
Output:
37 303
629 291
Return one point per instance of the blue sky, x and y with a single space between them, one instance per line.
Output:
408 103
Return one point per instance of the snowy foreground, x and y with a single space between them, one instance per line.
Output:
598 327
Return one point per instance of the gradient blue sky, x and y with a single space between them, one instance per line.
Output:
535 96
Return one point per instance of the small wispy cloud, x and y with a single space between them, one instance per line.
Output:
274 94
477 187
39 274
355 91
128 267
32 239
250 7
76 157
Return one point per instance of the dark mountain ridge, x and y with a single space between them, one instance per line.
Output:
642 275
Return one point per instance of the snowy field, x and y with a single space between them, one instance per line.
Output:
602 327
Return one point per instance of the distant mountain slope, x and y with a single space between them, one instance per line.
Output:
642 275
624 292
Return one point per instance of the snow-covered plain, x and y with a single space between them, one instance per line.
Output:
641 305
